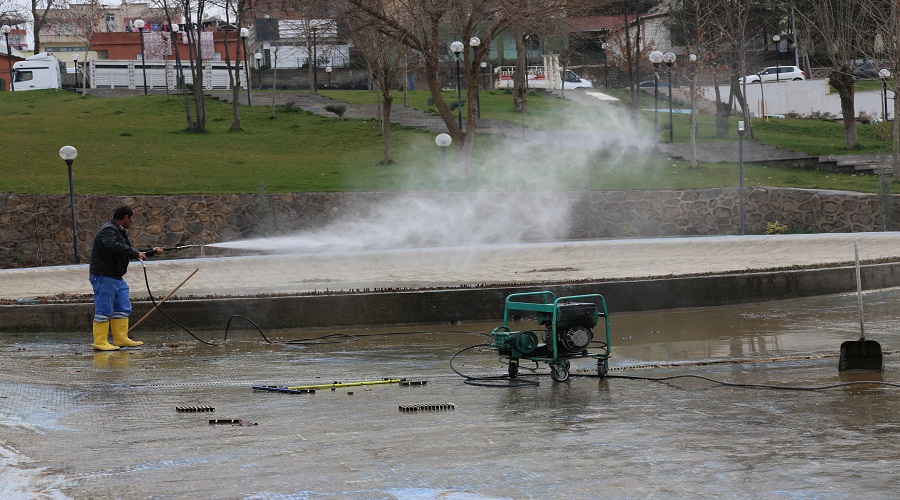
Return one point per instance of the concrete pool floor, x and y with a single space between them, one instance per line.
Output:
80 424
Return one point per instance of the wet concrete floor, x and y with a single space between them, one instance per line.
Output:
80 424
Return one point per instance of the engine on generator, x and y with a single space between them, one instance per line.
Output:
574 321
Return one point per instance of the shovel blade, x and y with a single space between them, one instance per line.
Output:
861 355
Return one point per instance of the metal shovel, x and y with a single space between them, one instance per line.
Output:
860 354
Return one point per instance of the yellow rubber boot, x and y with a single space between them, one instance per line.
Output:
120 333
101 337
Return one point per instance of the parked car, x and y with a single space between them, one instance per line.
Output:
776 73
868 70
648 85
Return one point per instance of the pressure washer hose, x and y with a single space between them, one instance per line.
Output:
333 338
227 325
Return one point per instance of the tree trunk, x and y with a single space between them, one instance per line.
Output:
235 85
895 134
520 76
693 90
387 101
842 80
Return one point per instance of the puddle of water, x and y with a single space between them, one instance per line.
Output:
116 428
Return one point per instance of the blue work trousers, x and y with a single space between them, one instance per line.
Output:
110 298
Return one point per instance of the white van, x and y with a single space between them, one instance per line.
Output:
537 79
40 71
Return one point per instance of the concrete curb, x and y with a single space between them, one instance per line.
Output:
457 304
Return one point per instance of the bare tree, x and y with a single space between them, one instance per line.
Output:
41 16
888 29
732 27
194 11
11 12
79 21
316 19
689 23
385 60
240 9
426 27
842 28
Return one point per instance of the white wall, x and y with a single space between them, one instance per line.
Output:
804 98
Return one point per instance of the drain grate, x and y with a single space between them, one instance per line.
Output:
427 407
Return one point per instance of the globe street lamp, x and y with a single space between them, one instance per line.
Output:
139 24
457 48
884 74
443 141
605 47
258 58
68 153
75 60
484 80
474 42
244 34
775 40
5 29
656 57
669 58
328 70
741 174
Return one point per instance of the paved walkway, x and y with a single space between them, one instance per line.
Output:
287 273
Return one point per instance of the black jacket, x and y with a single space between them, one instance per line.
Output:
112 250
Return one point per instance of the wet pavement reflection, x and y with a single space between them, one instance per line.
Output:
79 424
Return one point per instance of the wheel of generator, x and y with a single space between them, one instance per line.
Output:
559 373
513 368
602 368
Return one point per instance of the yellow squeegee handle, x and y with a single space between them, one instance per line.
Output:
344 384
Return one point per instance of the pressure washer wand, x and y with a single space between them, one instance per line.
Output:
180 247
151 252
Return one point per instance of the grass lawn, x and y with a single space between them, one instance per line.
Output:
138 145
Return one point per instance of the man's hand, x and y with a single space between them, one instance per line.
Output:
142 256
159 250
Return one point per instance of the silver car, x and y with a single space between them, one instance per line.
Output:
775 74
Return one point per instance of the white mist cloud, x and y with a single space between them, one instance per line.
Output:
524 193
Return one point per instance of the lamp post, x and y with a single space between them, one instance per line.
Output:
258 58
68 153
656 57
457 48
605 47
174 28
884 74
314 63
741 174
5 29
328 70
669 58
75 60
139 24
244 34
484 79
474 42
692 59
775 40
443 141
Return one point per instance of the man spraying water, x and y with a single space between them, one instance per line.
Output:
109 262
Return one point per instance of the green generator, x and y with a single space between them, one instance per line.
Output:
568 332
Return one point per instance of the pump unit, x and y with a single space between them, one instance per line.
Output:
568 332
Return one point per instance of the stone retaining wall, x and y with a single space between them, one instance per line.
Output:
36 230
